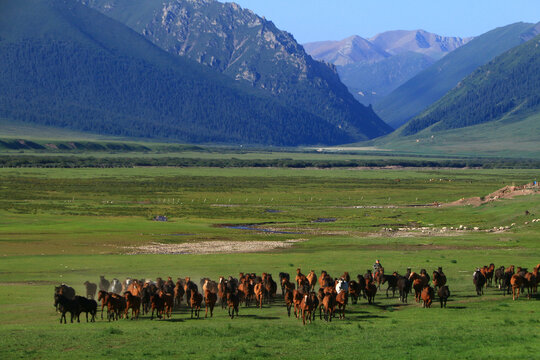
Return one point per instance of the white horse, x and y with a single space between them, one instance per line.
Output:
342 285
116 286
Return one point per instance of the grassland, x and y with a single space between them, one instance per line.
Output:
72 225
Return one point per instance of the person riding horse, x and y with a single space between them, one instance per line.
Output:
377 266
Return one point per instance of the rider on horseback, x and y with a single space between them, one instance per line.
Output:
377 266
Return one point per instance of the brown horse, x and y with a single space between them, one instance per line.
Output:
489 274
529 282
517 283
300 278
312 279
288 298
178 292
427 296
270 287
329 305
103 296
210 300
306 307
134 303
418 284
370 290
116 306
222 291
355 290
232 302
158 305
342 297
378 277
135 288
259 291
168 302
189 288
195 302
439 279
297 300
322 279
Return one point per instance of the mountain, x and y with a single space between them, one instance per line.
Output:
418 41
373 68
431 84
351 50
250 49
63 64
371 82
508 85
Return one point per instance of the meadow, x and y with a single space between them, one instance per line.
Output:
72 225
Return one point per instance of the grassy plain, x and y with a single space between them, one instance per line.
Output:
72 225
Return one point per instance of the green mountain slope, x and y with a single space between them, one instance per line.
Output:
431 84
508 85
516 136
249 49
63 64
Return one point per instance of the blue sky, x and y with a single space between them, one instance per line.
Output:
314 20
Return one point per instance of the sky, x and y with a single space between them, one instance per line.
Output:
318 20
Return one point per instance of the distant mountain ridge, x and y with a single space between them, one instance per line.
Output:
250 49
372 68
432 83
418 41
356 49
351 50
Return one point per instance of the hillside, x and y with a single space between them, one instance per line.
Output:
65 65
431 84
250 49
508 85
517 136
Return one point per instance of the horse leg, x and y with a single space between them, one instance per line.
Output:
303 316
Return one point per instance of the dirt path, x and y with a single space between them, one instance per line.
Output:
212 247
507 192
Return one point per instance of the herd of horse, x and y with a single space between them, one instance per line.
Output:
510 278
161 297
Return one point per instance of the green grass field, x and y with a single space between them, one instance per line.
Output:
72 225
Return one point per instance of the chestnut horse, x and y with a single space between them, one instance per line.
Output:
232 302
210 300
195 302
312 279
342 297
134 303
427 296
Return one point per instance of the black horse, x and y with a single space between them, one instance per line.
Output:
65 305
86 306
444 294
392 283
499 276
479 281
404 287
